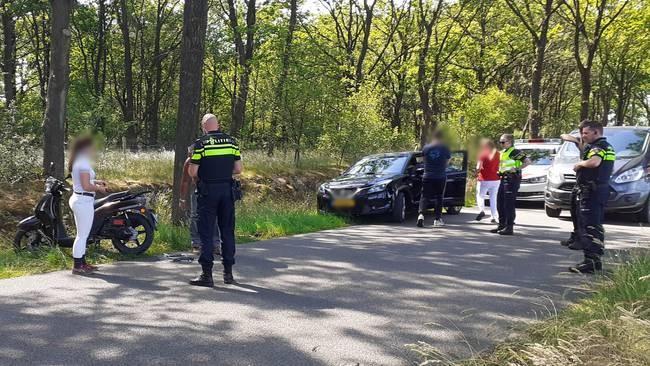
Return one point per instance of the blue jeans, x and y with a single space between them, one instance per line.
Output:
194 224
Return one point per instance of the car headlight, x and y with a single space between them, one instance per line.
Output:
630 175
378 188
554 177
541 179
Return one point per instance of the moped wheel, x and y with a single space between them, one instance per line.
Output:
29 240
141 239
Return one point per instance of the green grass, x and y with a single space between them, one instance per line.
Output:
156 167
611 326
254 222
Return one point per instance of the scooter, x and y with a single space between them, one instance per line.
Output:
121 217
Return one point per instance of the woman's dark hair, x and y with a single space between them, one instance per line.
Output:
78 144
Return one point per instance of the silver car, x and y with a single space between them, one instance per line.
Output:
629 185
533 177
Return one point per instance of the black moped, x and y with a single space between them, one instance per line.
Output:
121 217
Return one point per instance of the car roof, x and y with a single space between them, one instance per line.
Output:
643 128
390 154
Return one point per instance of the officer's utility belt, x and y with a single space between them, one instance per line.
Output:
512 174
216 181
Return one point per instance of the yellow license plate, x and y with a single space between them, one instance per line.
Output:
343 203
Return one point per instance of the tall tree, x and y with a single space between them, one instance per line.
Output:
280 92
537 22
8 52
57 91
244 58
589 20
195 21
127 98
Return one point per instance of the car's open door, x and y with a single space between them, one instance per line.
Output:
456 180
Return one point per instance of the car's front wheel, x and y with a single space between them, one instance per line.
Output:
399 208
552 212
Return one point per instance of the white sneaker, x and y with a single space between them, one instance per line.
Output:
420 220
438 223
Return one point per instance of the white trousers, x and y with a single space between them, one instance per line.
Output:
84 212
488 188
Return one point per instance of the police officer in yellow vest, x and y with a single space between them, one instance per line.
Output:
215 159
512 162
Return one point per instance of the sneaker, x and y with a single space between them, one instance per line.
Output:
420 220
438 223
494 221
480 216
203 280
82 269
506 231
589 265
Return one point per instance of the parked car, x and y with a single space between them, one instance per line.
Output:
630 181
541 153
390 184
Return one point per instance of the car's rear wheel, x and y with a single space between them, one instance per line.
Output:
399 208
552 212
454 210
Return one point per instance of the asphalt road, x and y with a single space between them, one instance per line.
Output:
354 296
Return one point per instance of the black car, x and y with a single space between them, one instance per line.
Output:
390 184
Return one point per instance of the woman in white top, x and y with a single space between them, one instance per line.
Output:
84 187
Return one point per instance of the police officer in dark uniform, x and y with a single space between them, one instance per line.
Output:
512 162
592 174
575 197
215 159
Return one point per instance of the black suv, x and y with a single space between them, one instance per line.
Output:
390 184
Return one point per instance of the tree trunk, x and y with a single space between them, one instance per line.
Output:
195 20
9 53
585 83
284 72
128 108
534 112
57 91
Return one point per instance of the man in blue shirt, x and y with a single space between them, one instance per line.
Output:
436 158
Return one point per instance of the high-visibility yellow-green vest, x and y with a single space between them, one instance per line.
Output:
506 162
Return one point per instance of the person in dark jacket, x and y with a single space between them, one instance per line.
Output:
436 159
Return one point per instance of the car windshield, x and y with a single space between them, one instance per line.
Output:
627 144
539 156
378 165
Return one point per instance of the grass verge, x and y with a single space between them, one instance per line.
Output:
254 222
610 327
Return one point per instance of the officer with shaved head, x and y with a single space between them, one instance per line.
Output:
215 159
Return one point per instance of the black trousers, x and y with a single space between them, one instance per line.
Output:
575 212
591 232
507 198
433 190
216 202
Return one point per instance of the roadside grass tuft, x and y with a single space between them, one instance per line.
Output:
609 327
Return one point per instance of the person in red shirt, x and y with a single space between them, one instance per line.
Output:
488 180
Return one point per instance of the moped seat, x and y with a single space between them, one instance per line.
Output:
111 197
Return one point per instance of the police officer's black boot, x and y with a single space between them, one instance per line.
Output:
497 229
506 231
590 264
228 278
204 279
571 240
